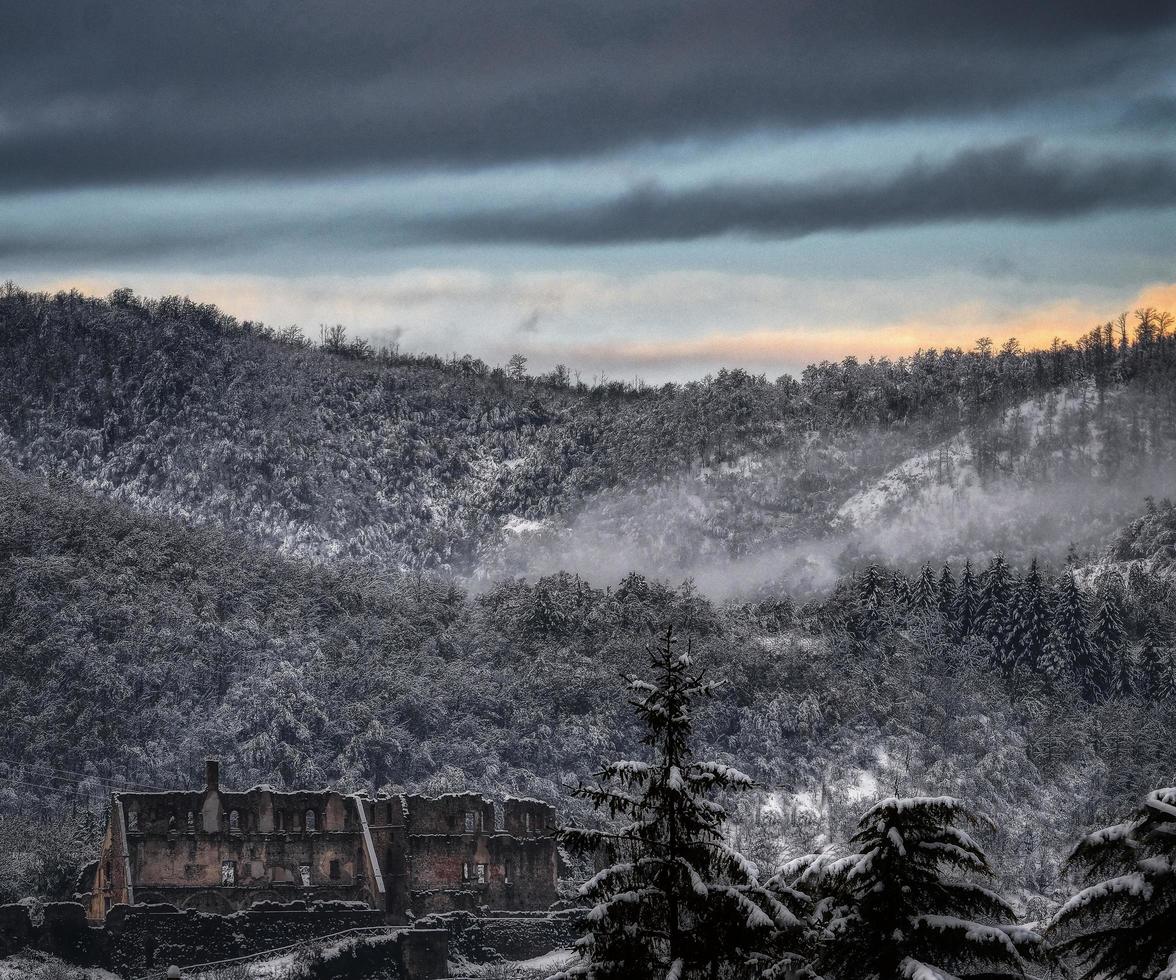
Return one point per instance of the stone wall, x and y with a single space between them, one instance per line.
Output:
16 929
142 938
507 936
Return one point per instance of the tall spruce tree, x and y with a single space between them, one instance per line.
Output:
1071 633
995 586
1110 666
1150 663
947 593
925 595
679 902
1056 661
872 601
1031 620
967 604
1123 924
996 613
872 589
909 904
900 591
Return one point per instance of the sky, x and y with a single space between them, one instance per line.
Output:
633 188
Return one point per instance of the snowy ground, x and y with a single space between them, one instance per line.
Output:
537 968
38 966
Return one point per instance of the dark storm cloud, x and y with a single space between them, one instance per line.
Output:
126 90
1155 113
1014 181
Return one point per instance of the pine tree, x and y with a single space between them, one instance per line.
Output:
1072 650
1167 687
995 587
1150 663
872 589
1056 662
1031 620
908 903
925 596
1118 676
967 604
900 591
1121 924
947 593
791 954
996 613
679 902
1109 666
872 600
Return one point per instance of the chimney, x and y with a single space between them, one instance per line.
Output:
212 774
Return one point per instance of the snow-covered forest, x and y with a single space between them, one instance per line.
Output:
945 575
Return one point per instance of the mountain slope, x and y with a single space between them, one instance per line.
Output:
406 462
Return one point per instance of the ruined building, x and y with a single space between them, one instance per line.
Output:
219 850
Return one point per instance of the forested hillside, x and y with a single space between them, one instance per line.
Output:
335 450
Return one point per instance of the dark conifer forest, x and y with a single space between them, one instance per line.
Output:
949 575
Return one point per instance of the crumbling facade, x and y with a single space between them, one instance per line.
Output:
218 850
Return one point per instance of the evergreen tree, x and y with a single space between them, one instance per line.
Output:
1118 676
1109 665
1056 661
1121 924
872 588
1031 620
947 593
995 587
1166 691
967 604
678 902
1072 650
996 612
900 591
909 904
871 601
791 954
925 596
1150 663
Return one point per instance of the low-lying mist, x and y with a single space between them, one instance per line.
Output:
689 529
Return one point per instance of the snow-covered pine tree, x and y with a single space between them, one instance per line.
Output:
995 586
925 595
1110 667
1031 620
679 902
997 612
791 954
1056 661
1071 649
967 604
909 905
872 602
900 591
872 588
947 593
1121 924
1150 663
1167 689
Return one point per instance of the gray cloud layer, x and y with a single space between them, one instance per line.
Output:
1013 181
99 91
1016 181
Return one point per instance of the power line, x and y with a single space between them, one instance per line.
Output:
125 783
74 772
51 789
